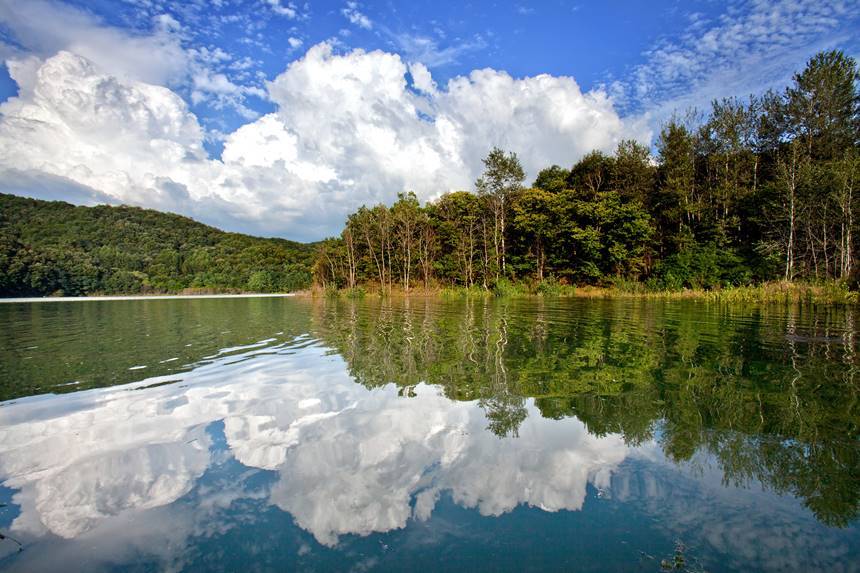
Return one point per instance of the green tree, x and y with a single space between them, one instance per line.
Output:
632 172
675 202
261 281
503 176
552 179
406 215
591 174
457 220
823 105
533 221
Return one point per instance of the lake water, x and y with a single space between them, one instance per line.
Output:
292 434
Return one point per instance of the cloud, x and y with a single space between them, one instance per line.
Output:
207 75
358 470
42 28
355 17
348 460
425 49
289 10
53 188
752 46
348 129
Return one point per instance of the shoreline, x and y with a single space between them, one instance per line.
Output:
139 297
775 292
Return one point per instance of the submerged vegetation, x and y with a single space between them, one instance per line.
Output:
759 192
51 247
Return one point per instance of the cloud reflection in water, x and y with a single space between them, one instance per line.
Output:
350 460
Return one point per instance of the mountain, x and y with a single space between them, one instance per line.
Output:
53 248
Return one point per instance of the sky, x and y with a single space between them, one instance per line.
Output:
280 117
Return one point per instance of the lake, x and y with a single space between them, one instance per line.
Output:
280 434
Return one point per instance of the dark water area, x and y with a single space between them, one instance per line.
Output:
279 434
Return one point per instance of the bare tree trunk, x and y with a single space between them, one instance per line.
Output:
810 243
349 241
789 253
470 274
380 266
486 254
824 231
849 246
502 233
540 259
791 184
842 246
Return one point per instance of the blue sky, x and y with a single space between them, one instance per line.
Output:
595 42
306 96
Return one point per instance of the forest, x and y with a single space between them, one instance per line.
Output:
757 189
54 248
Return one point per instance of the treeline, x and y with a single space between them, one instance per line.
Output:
758 189
53 248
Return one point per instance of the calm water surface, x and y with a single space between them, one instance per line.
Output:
291 434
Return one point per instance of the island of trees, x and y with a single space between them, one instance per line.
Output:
758 189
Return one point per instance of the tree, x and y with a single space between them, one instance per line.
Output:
351 251
328 267
405 214
729 139
261 281
552 179
533 220
823 105
374 227
846 172
503 176
458 223
791 166
632 172
426 246
675 203
591 174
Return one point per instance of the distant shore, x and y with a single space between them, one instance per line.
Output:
138 297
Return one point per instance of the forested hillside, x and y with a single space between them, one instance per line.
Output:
758 189
52 247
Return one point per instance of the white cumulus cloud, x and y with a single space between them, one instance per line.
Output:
348 129
42 28
356 17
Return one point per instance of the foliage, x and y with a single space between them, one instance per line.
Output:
56 248
758 190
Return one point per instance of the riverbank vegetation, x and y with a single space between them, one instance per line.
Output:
51 247
824 292
741 203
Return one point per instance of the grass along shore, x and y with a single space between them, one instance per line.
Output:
829 292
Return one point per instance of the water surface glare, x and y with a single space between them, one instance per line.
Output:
279 434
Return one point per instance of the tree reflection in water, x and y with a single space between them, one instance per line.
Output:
770 392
